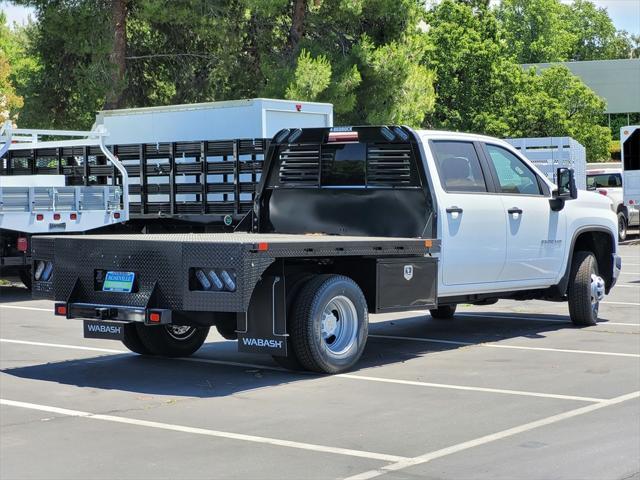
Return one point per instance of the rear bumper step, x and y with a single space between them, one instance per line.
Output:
113 313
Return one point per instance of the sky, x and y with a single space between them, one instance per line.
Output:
624 13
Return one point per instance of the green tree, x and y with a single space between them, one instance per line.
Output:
594 35
476 80
536 30
557 103
14 64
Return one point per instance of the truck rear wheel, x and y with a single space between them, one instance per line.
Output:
172 340
25 277
132 340
443 312
586 289
329 324
623 223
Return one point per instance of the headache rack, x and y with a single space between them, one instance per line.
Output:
207 182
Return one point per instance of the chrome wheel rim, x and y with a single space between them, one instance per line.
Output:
180 332
339 325
597 292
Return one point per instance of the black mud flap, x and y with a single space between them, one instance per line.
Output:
263 328
103 329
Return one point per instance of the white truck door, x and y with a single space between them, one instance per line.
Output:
535 234
630 150
471 220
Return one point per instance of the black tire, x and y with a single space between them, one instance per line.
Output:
164 340
583 304
443 312
294 285
623 224
132 340
227 329
25 277
342 302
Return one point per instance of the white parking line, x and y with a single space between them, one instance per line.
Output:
495 345
35 309
207 432
344 375
427 457
624 285
607 302
58 345
629 273
534 319
473 389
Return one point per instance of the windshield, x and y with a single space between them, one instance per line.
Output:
604 180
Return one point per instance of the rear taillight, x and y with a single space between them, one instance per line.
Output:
39 217
22 244
56 216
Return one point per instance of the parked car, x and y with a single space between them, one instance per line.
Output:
608 182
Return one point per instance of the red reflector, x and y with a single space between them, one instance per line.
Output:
299 107
154 317
263 246
602 192
116 215
39 217
23 244
61 309
56 216
343 136
73 216
632 202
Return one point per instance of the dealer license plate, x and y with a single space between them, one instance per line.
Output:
118 282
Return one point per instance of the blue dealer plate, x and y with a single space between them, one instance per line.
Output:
118 282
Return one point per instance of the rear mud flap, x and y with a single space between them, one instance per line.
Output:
263 328
103 329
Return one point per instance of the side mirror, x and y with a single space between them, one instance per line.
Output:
566 182
566 188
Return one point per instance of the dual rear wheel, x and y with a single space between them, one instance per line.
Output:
164 340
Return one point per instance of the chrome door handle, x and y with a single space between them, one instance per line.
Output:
454 209
514 210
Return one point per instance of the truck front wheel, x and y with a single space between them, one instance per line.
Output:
443 312
586 289
172 340
329 324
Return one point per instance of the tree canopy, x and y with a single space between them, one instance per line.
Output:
455 64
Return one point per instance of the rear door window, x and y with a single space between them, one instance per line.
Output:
459 166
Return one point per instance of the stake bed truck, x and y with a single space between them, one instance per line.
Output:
346 221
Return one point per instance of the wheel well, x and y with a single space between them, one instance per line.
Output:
601 244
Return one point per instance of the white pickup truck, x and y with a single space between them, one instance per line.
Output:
608 182
347 221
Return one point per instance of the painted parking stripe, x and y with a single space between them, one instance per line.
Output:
205 431
495 345
443 452
534 319
35 309
624 285
57 345
473 389
343 375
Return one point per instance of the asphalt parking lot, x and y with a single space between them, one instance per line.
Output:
507 391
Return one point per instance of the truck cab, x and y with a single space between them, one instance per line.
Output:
348 221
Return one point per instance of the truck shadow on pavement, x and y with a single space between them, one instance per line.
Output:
14 293
207 375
